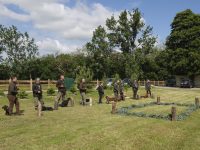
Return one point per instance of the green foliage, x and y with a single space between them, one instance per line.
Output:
84 73
2 93
22 95
116 78
19 48
51 92
183 44
73 89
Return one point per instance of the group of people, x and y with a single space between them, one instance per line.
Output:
118 89
135 87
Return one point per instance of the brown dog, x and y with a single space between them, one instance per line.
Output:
110 99
146 96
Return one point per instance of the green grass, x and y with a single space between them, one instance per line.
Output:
95 128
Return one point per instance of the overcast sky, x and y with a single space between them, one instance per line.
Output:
64 25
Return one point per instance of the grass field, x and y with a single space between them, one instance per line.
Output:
95 128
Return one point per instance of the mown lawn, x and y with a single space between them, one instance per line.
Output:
96 128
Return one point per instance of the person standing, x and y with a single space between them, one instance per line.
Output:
61 91
116 90
100 90
135 89
37 94
148 88
82 89
121 90
12 96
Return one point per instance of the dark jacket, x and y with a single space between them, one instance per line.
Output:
12 89
135 86
148 86
121 87
100 90
61 86
82 87
37 90
116 88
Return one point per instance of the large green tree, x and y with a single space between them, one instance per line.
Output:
183 44
18 48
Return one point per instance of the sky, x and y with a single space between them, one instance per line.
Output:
64 25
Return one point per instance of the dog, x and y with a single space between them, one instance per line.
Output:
45 108
6 109
67 103
144 96
110 99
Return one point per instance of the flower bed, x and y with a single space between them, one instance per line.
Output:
181 116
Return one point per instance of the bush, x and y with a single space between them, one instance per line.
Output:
22 95
51 92
1 93
73 89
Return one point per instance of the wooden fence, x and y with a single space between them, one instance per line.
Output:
27 84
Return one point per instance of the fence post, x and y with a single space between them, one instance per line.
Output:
113 108
31 84
158 100
48 86
173 113
197 102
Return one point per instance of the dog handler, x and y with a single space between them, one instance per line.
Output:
61 91
37 94
12 96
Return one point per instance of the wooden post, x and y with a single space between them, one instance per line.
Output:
158 83
48 84
173 113
158 100
31 84
154 82
113 107
197 102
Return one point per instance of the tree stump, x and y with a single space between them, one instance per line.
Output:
173 113
197 102
158 100
114 108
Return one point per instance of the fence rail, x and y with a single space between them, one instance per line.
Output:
27 84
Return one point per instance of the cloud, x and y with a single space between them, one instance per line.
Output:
51 46
77 22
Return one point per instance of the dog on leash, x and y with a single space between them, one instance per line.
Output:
6 109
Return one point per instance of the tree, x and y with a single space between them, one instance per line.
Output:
183 44
123 32
98 50
19 47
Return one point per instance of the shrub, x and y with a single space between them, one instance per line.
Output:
22 95
73 89
51 92
1 93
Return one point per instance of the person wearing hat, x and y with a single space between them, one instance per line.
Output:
148 88
37 94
